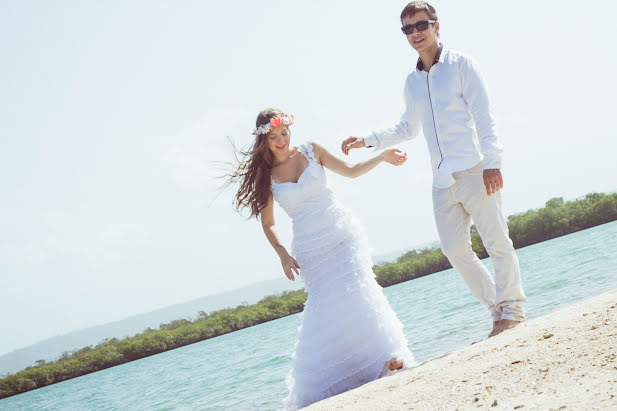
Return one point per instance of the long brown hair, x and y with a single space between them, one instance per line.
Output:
252 169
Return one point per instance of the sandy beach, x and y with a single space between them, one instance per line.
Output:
563 360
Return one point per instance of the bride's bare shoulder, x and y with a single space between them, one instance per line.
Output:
318 149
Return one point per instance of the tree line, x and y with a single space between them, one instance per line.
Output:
557 218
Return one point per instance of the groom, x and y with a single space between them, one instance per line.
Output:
446 98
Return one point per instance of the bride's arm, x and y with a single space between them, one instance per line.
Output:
324 157
290 265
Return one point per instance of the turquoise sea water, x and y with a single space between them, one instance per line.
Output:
246 370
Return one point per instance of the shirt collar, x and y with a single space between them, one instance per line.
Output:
420 64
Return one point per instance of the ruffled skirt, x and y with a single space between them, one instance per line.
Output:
348 328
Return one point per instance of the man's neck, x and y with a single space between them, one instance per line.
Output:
428 56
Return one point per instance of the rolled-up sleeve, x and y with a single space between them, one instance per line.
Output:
475 93
406 129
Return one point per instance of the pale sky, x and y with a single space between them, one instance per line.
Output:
113 115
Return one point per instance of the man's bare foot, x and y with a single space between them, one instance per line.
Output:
494 330
394 364
502 325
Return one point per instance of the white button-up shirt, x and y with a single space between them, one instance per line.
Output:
450 104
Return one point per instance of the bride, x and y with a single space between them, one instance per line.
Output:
349 334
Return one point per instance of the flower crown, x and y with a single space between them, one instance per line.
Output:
284 120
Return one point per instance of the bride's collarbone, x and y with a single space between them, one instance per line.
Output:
290 170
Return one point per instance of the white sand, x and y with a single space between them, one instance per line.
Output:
566 359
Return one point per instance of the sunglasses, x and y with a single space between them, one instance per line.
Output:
420 26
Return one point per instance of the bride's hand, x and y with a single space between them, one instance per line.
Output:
394 156
290 265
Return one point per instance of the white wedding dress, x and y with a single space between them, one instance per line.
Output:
348 328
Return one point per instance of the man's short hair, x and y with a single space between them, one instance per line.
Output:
417 6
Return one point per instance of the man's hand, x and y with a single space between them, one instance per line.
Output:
352 142
492 180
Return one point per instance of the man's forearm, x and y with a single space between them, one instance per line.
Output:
475 92
383 139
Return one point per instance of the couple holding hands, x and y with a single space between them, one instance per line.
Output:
349 334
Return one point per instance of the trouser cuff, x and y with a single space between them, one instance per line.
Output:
495 315
513 317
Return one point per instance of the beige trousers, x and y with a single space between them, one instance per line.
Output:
454 209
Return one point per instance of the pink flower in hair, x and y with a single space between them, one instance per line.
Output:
276 121
284 120
288 120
